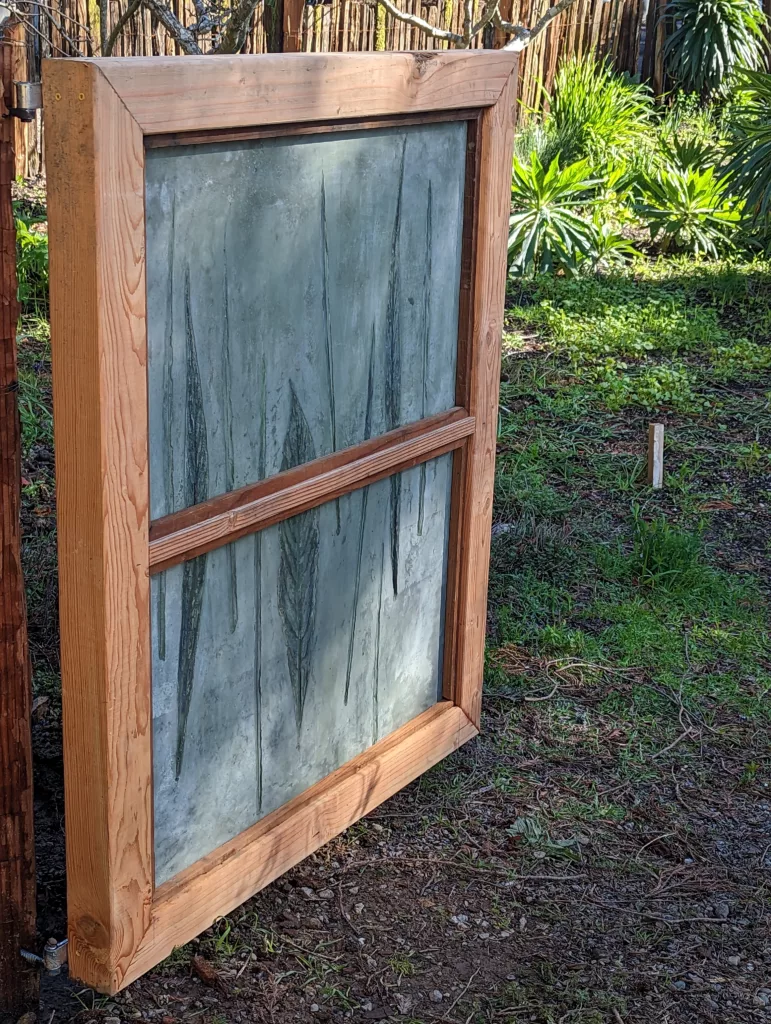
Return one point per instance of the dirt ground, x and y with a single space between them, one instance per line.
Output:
431 909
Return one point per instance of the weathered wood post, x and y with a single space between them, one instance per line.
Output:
293 25
18 982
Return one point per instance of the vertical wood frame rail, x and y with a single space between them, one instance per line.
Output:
101 116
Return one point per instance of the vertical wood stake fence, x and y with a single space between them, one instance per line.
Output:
18 983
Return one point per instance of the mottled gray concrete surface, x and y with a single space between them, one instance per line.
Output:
295 253
302 297
232 750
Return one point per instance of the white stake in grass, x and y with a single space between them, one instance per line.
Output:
656 455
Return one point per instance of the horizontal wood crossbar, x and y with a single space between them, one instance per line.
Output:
194 531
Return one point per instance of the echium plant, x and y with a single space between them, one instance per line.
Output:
751 149
710 40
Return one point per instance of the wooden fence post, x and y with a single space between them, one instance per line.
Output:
18 982
293 25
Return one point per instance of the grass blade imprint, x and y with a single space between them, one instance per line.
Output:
393 369
426 339
168 405
262 464
328 329
298 566
196 490
227 414
363 518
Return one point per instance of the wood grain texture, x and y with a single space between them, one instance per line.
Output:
314 128
96 229
199 93
462 397
473 487
293 25
18 981
193 531
189 903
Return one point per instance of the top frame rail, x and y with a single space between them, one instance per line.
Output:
198 93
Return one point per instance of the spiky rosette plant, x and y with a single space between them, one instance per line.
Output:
751 149
711 40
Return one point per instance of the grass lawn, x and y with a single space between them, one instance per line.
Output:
601 852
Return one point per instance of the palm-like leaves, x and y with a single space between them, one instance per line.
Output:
611 248
711 40
688 208
751 151
546 230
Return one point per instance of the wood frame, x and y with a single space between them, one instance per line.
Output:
101 115
19 981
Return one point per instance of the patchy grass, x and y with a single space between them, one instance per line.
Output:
659 598
601 853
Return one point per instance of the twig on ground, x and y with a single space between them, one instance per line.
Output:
558 671
548 696
650 842
241 971
461 994
689 733
344 912
657 917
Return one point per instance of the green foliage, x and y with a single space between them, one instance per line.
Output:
751 151
34 351
687 118
546 231
611 248
534 137
32 267
664 556
688 209
644 337
687 154
600 166
710 41
595 112
649 594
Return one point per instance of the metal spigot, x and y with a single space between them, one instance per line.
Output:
29 98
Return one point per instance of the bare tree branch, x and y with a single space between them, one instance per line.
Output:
20 15
233 35
104 21
524 36
488 14
205 23
468 18
174 26
31 27
236 27
117 28
60 28
412 19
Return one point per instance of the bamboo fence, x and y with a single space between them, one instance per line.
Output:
612 28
